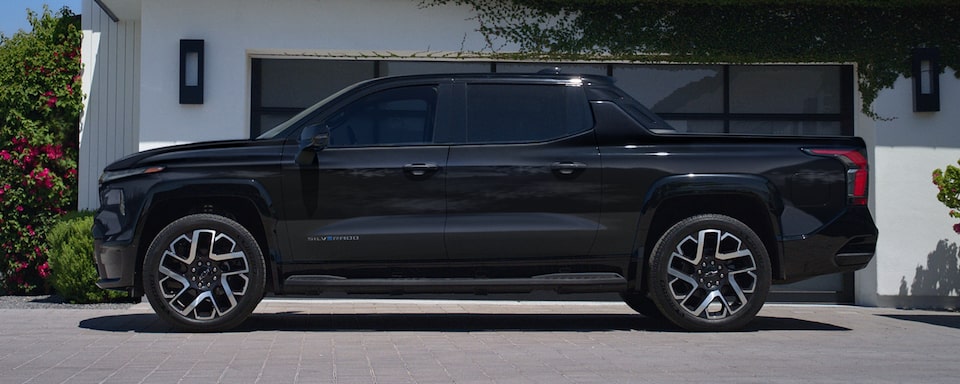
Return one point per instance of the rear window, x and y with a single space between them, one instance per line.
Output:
513 113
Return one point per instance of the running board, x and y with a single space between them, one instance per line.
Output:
560 282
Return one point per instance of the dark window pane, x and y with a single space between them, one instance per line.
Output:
302 82
580 69
501 113
270 120
392 117
802 128
396 68
785 89
673 88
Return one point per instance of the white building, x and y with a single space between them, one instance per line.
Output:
264 60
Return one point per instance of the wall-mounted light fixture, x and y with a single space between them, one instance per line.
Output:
191 71
926 79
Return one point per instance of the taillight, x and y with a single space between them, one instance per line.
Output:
857 172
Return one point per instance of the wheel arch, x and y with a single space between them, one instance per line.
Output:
750 199
244 201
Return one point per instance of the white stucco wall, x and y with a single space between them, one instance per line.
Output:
234 30
912 222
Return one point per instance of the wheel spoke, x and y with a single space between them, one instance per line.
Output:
686 279
176 277
707 245
705 303
192 307
228 256
733 255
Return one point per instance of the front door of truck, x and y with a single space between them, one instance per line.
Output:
375 194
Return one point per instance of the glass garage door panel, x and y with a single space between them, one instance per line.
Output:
673 88
299 83
785 89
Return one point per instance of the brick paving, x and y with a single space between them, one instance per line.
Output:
403 341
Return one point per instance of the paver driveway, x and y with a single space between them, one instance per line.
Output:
404 341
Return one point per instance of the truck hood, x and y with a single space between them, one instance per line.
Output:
209 151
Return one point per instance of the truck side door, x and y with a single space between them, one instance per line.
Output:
376 194
523 182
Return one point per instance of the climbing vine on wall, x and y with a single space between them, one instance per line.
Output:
878 35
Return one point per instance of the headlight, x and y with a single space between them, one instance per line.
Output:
109 176
113 198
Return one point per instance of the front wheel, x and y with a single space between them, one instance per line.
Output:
709 273
204 273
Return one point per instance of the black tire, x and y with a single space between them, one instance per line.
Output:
204 273
709 273
642 304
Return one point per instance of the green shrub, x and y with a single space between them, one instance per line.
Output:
72 269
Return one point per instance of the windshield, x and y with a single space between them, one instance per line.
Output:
280 130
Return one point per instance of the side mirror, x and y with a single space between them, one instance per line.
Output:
314 138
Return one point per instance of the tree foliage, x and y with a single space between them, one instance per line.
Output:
40 106
878 35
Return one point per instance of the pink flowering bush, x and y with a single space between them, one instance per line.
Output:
40 105
948 184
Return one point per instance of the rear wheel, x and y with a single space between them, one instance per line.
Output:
204 273
709 273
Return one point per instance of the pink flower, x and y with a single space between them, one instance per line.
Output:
53 151
51 101
5 155
956 228
30 230
19 208
44 270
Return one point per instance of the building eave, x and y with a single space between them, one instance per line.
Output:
121 10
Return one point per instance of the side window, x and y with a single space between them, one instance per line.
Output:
514 113
398 116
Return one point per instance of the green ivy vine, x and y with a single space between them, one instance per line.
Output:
878 35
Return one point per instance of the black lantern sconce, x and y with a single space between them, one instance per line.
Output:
191 71
926 79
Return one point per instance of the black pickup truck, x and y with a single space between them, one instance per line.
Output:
483 183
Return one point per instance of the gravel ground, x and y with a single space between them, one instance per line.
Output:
53 302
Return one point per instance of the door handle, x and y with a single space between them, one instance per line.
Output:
420 169
568 168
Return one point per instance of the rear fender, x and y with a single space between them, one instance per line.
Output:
751 199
